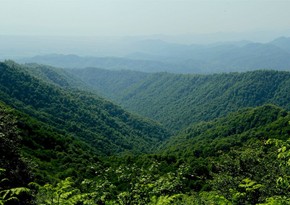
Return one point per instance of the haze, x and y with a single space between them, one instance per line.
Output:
140 17
113 27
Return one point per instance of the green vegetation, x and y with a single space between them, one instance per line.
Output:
101 124
14 171
222 134
246 172
60 144
107 82
51 75
177 101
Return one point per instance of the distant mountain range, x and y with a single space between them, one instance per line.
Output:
160 56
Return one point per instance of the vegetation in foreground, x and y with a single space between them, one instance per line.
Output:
253 169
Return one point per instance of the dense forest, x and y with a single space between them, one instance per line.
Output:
178 100
207 139
98 122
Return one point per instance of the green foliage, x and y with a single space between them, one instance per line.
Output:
51 154
240 174
283 181
248 193
12 195
277 200
218 136
166 200
177 101
63 193
102 125
73 140
11 160
239 164
107 82
54 76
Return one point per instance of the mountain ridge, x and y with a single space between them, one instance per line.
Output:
160 56
177 100
84 115
91 151
222 134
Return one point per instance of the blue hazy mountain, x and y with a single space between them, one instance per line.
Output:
159 56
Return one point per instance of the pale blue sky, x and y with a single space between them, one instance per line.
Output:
141 17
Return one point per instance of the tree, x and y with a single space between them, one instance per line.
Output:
17 195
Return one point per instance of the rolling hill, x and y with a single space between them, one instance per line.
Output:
112 63
215 137
178 100
101 124
33 150
159 56
83 149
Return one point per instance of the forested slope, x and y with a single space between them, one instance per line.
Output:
175 100
32 150
225 161
103 125
223 134
91 151
109 83
52 75
180 100
233 157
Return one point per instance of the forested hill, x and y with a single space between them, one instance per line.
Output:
224 134
101 124
51 132
109 83
225 161
178 100
233 158
55 76
52 153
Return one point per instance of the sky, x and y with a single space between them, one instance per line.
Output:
141 17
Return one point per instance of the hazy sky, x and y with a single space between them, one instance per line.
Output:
141 17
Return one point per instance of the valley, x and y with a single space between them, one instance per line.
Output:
96 136
125 102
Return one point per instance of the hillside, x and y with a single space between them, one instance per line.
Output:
223 134
101 124
177 100
82 149
55 76
180 100
109 83
231 158
78 148
39 151
225 161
